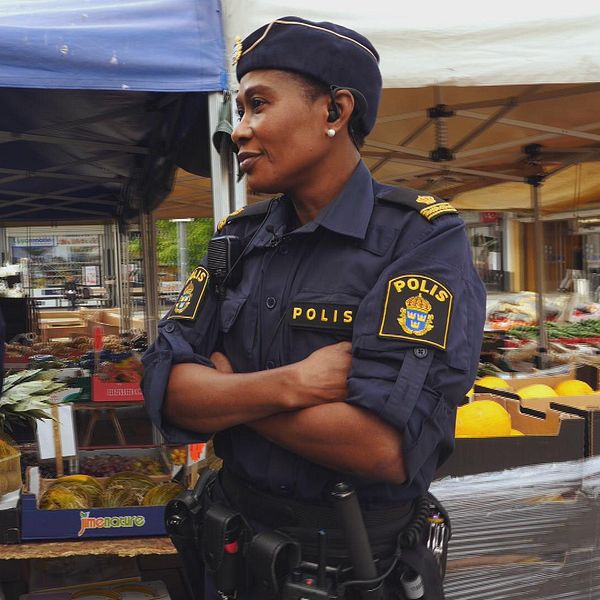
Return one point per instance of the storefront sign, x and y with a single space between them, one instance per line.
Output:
488 216
33 242
77 240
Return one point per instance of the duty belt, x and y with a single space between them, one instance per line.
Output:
301 520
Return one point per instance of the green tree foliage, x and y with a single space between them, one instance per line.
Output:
199 233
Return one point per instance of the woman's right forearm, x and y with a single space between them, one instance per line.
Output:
205 400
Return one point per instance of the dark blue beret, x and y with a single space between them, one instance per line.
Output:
333 54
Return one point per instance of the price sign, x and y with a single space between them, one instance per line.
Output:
195 453
56 435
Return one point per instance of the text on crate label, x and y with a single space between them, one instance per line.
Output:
88 522
122 392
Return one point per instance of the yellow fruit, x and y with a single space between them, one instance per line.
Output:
516 433
482 418
537 390
161 493
496 383
573 387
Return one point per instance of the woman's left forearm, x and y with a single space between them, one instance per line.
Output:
339 436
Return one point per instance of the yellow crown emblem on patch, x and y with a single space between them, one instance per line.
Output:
418 303
189 289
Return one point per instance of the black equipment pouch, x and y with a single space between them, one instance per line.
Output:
184 523
272 556
224 539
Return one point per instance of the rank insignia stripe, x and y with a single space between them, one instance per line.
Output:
417 308
189 300
224 220
436 210
317 315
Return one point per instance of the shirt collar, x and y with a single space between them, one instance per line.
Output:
350 211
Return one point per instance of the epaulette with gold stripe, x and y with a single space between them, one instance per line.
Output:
258 208
429 207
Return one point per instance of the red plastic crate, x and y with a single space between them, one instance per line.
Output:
105 391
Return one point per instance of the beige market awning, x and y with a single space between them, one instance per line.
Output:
474 154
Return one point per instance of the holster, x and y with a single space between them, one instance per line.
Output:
225 537
272 556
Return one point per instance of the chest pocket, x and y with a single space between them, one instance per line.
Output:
230 310
237 322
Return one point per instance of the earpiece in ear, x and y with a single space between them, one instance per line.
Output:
334 113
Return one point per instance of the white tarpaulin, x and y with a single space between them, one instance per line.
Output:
453 43
509 75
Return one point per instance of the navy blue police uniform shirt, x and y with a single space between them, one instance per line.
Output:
385 268
2 335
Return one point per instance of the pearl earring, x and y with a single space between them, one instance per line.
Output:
331 133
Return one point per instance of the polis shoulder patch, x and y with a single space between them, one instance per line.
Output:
417 308
191 296
429 207
258 208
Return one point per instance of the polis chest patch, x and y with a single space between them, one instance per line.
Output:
417 308
190 298
318 315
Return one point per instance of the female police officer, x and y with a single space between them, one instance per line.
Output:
354 329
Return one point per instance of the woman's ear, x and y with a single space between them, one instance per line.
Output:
341 110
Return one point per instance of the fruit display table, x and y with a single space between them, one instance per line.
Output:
123 548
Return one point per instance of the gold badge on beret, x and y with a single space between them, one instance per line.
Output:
417 308
237 50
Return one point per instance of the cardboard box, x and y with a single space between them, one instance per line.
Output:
587 407
78 524
9 518
550 436
587 373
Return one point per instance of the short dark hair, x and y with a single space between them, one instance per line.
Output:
313 89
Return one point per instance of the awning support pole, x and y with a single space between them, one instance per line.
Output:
122 294
148 231
535 183
228 194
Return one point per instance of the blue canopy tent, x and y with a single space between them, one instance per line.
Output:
97 98
100 101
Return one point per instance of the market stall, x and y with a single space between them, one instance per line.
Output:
99 107
410 145
93 126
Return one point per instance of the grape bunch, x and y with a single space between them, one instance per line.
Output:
106 465
47 467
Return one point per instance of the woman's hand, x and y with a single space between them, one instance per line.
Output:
221 362
322 376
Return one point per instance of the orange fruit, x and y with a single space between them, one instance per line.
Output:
537 390
573 387
482 418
